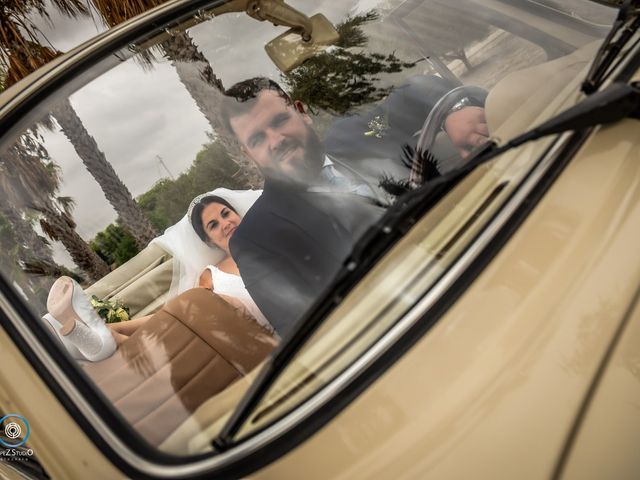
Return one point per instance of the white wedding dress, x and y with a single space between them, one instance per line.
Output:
232 285
191 255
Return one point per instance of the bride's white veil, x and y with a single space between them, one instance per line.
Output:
190 254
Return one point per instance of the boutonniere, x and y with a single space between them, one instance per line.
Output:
112 311
377 126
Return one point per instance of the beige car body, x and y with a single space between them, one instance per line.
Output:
533 372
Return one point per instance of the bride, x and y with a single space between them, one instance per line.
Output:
199 245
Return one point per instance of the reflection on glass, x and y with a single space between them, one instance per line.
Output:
262 184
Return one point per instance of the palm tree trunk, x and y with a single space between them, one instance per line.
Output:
59 227
206 89
116 192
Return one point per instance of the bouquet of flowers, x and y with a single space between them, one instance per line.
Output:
111 310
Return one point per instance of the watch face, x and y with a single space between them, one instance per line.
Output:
465 102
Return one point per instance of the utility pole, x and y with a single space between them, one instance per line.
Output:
165 167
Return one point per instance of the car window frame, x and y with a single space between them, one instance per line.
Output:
81 399
117 440
524 198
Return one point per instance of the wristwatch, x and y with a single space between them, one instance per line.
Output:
459 105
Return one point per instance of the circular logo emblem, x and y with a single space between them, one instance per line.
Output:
14 430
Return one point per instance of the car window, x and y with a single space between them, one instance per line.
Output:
198 201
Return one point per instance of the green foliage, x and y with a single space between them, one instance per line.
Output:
351 34
9 244
167 201
114 245
112 311
19 264
343 78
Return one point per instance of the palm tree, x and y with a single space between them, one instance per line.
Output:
195 73
206 89
57 224
34 246
26 182
116 192
24 54
12 249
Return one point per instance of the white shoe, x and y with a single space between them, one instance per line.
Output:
55 326
79 323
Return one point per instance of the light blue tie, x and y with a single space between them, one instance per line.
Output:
343 183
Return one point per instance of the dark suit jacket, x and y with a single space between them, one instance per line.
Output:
291 244
404 112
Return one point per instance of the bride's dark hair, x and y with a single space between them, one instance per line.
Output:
196 214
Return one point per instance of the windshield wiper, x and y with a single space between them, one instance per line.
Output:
618 101
625 25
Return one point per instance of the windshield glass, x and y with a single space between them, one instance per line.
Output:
199 200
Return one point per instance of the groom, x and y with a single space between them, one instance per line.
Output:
295 238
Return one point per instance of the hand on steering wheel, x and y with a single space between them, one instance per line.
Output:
467 128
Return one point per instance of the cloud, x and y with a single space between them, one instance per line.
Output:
65 33
134 116
137 115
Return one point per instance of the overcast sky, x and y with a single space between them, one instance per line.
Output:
137 116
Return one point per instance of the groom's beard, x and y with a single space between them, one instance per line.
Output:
296 160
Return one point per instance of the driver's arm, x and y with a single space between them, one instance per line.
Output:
467 128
